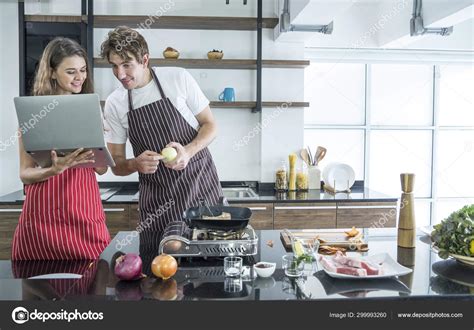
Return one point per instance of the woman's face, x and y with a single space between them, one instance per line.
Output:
70 75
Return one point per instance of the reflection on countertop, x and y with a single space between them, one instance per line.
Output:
204 279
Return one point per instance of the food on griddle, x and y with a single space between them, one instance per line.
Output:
223 216
352 233
270 243
328 250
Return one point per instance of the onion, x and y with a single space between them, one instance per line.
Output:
164 266
129 267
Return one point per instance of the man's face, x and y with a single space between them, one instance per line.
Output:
129 72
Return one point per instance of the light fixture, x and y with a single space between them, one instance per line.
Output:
228 1
416 23
286 26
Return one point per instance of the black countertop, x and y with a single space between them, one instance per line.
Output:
199 279
125 193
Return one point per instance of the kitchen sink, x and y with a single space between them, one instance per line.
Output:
229 193
239 193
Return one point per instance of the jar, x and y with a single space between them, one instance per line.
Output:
314 177
281 182
302 178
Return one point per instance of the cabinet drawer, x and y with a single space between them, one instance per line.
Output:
367 214
117 217
262 215
9 215
304 215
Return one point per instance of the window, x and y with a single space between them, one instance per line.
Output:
387 118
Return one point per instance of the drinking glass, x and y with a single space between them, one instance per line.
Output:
233 266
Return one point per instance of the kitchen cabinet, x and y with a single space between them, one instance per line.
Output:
9 215
304 215
262 215
134 216
366 214
117 218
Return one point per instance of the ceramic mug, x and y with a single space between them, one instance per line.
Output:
228 95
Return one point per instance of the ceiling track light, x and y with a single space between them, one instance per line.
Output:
416 23
286 26
228 1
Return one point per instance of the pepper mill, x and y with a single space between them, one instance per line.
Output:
406 220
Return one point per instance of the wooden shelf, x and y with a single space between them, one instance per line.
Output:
163 22
185 22
55 18
250 104
201 63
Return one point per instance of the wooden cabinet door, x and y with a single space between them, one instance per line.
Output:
367 214
117 218
134 216
262 215
9 215
304 215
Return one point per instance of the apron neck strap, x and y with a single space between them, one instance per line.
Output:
157 82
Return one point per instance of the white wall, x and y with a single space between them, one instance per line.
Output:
264 145
9 88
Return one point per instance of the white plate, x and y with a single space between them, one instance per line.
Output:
468 261
339 176
390 268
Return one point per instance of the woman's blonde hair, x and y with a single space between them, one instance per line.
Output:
54 53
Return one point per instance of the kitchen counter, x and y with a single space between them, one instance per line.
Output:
126 193
199 279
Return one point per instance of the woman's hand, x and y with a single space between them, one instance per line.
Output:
78 157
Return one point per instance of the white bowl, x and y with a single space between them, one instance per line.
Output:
265 272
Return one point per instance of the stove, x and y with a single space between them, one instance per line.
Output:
181 241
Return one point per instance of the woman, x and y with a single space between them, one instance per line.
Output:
62 215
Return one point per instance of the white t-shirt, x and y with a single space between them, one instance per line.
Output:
178 85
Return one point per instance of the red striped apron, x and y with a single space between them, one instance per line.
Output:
166 194
62 218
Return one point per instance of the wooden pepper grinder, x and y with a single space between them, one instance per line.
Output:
406 221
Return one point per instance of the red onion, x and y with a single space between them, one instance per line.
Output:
128 267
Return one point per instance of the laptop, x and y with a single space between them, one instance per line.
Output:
63 123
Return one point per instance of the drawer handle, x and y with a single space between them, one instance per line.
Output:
258 208
305 207
10 210
368 207
114 210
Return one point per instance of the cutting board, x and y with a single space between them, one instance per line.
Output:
335 239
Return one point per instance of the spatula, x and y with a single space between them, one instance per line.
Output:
304 155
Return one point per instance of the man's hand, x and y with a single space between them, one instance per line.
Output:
182 158
147 162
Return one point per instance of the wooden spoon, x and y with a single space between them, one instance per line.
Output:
304 155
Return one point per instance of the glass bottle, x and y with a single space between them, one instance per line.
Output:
281 182
302 177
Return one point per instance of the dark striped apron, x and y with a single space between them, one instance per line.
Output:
166 194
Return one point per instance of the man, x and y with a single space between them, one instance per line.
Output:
157 108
